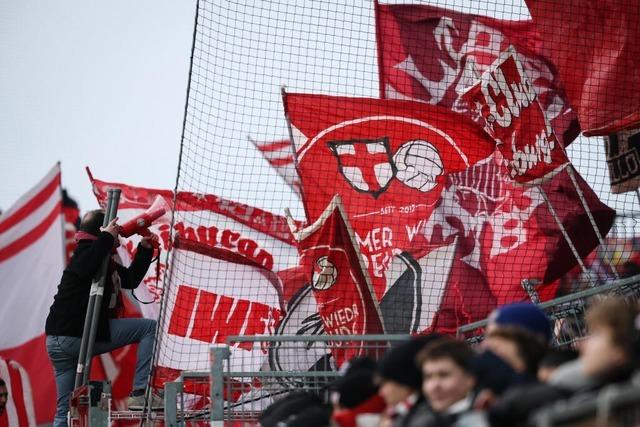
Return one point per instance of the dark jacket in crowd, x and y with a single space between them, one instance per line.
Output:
67 313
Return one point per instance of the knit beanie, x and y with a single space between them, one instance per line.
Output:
398 363
523 315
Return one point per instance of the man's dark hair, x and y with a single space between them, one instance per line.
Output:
530 348
448 348
92 221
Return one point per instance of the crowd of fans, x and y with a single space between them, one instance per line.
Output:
436 380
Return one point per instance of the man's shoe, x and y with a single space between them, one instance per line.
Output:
136 403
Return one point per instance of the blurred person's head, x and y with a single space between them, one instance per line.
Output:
4 396
447 372
92 221
613 333
355 385
552 359
519 348
294 403
398 375
524 316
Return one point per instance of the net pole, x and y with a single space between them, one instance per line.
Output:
95 301
566 236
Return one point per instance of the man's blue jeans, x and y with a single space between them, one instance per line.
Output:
63 353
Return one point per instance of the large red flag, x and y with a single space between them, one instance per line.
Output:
387 159
595 45
279 154
509 108
32 253
432 54
331 258
506 230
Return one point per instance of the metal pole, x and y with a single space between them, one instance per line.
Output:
95 301
566 236
585 205
217 355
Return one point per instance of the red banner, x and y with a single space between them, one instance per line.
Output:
341 286
431 54
595 45
506 103
388 161
506 231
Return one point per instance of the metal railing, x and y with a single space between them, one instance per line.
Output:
612 406
566 313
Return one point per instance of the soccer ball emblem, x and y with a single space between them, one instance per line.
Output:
418 163
325 274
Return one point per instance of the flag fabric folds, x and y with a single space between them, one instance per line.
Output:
387 159
32 256
595 45
331 259
432 54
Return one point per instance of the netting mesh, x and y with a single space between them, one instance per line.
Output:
236 269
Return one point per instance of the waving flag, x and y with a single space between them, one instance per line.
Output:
506 232
19 410
253 233
388 161
279 154
506 103
32 256
595 45
205 305
430 54
330 256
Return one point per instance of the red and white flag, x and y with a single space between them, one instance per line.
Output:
279 154
506 232
506 103
19 410
32 257
387 159
431 54
251 232
344 295
205 305
595 45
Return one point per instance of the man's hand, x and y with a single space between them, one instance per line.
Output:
112 228
150 241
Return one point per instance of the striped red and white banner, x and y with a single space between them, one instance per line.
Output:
19 410
279 154
31 262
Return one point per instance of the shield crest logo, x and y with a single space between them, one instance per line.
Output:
366 164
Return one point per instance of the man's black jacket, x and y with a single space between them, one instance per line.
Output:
69 308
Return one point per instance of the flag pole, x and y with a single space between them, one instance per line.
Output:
585 205
95 301
566 236
283 92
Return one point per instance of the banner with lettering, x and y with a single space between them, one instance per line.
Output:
251 232
623 160
387 159
505 102
205 305
330 256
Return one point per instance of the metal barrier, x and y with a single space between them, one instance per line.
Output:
613 406
305 363
566 313
238 393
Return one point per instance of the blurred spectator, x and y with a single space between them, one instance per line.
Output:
448 384
606 356
355 393
519 334
294 403
552 360
400 380
313 416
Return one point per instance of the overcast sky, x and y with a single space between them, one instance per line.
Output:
104 85
99 84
